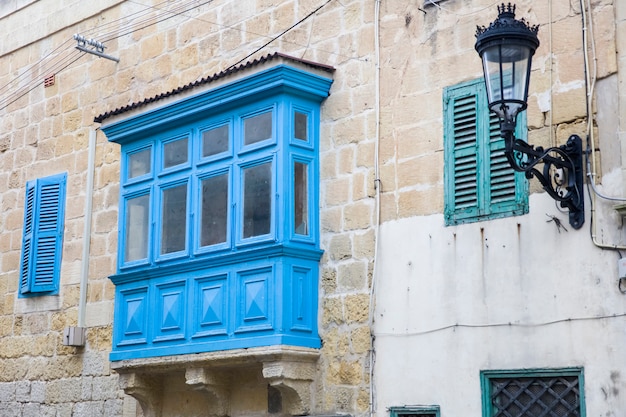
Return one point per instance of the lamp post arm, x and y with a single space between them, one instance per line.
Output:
562 174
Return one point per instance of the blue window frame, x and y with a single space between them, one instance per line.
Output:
479 183
218 225
533 392
42 239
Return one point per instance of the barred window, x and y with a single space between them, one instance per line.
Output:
533 393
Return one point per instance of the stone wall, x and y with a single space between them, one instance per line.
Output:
47 131
423 48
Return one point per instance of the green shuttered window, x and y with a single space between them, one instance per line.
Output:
42 238
479 184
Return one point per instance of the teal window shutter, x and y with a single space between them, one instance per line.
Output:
479 183
43 235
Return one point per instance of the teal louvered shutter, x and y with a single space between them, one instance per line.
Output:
43 235
479 183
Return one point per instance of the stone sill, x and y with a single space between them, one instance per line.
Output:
290 369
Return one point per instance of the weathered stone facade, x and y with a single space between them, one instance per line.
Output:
383 118
47 131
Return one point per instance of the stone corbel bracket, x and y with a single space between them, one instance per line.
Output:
213 384
294 380
145 389
289 369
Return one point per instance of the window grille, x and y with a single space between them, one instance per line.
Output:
541 395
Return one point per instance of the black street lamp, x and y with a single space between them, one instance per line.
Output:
506 48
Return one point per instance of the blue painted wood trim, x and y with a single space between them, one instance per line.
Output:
281 78
263 302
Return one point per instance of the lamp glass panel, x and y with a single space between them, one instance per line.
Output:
506 77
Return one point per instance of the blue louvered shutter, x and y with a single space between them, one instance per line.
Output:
27 238
43 235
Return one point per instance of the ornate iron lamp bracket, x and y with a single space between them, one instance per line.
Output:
562 173
506 48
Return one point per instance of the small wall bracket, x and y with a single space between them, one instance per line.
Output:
98 47
74 336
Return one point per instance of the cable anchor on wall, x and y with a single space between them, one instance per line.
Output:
97 48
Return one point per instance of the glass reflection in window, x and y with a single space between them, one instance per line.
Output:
174 219
257 128
136 228
301 198
139 163
215 141
175 153
257 200
214 210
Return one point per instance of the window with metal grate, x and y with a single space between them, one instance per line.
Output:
533 393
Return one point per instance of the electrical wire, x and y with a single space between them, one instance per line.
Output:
495 325
32 67
177 11
7 101
138 22
377 188
590 79
47 65
279 35
591 75
445 9
127 17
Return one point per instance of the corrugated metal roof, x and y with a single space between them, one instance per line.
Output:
207 80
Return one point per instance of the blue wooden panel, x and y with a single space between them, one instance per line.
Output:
262 302
171 300
211 306
131 316
254 297
301 299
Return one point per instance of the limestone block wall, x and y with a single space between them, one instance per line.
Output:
423 48
44 131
